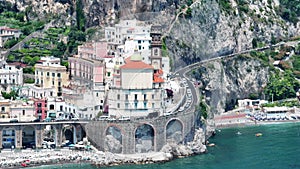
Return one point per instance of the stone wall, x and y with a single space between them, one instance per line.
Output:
96 131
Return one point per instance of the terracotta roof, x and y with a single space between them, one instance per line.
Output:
17 64
136 65
127 60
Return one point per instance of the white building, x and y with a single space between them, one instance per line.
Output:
22 111
135 91
126 29
7 33
11 74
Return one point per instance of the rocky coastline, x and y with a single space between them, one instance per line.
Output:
32 158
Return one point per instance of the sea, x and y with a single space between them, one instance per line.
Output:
235 148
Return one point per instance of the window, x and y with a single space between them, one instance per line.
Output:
145 105
58 74
48 74
152 96
53 74
118 96
2 108
51 107
135 97
97 95
61 108
126 97
155 52
53 83
126 105
152 105
59 83
135 105
118 105
145 96
51 93
23 112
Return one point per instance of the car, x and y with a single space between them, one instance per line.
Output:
67 143
60 119
14 121
75 119
48 143
110 118
124 118
36 120
29 145
103 117
48 119
181 109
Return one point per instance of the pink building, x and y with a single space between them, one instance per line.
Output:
88 66
40 108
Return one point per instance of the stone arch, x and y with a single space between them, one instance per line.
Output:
29 137
8 137
113 139
68 133
174 131
144 138
50 134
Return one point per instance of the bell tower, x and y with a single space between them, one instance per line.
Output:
156 57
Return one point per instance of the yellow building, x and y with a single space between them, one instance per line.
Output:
50 76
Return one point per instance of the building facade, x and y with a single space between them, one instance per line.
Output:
50 76
7 33
11 74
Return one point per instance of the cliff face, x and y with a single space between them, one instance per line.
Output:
210 31
225 81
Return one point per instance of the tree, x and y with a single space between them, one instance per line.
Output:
13 94
254 43
10 58
282 86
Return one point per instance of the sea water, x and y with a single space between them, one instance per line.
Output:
236 148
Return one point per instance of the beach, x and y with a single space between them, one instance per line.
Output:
240 119
32 158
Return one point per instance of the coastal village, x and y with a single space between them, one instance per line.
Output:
123 77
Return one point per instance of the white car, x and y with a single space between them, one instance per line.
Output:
103 117
125 118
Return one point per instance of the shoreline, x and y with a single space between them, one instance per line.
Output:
232 121
57 157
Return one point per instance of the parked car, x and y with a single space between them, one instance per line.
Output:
103 117
48 119
14 121
75 119
124 118
29 145
48 143
36 120
60 119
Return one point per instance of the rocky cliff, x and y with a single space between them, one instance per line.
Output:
226 80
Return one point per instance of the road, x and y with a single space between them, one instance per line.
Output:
196 95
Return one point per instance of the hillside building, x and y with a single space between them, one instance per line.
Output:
11 74
7 33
